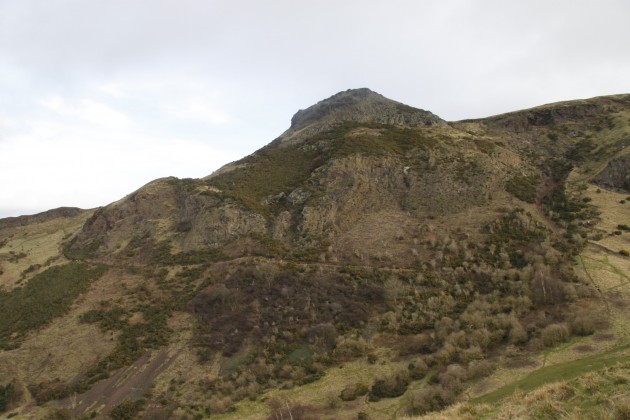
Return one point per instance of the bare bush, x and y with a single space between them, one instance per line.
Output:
517 334
322 337
390 386
554 334
429 399
352 391
452 379
417 369
479 369
582 325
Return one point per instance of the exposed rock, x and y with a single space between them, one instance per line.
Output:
557 113
357 105
616 175
219 225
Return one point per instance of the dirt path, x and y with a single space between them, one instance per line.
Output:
132 382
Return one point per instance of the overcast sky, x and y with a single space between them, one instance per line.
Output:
98 97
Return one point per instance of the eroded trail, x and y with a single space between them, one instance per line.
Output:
132 382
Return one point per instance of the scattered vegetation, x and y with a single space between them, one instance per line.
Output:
268 173
389 387
127 410
47 295
7 393
353 391
523 187
73 251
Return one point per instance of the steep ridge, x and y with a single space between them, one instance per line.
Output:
355 105
368 231
9 222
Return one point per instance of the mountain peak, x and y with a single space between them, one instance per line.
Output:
358 105
362 105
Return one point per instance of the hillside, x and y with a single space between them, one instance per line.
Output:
374 260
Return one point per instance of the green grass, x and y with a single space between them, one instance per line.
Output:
559 372
47 295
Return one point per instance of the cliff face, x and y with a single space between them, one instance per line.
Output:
616 175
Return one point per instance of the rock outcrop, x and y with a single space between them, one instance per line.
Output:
616 175
355 105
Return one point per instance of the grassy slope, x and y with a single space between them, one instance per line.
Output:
601 394
38 243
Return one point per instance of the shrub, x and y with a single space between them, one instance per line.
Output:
523 187
554 334
546 287
127 409
452 378
625 253
6 396
517 334
351 392
322 336
47 295
109 320
333 401
389 387
582 325
429 399
479 369
417 369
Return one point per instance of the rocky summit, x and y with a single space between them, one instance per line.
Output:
373 261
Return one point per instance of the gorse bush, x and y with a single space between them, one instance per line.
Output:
268 172
47 295
110 319
276 170
523 187
126 410
6 396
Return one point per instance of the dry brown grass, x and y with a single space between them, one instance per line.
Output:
66 348
41 242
